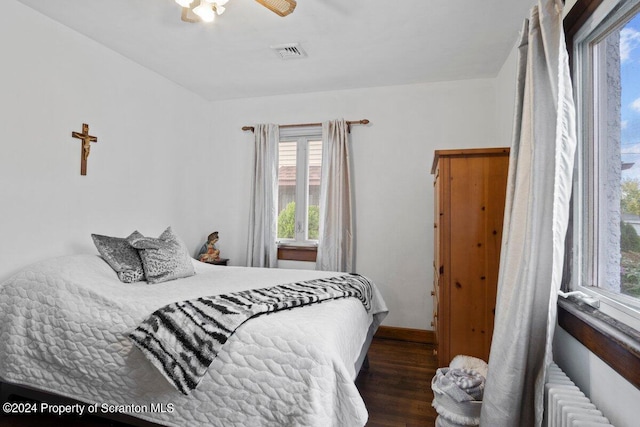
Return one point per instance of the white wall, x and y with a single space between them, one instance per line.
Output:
51 81
392 161
505 98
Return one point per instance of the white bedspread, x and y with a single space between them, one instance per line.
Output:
63 326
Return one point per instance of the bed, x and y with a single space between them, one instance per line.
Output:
64 325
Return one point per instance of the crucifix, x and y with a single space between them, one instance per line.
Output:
85 148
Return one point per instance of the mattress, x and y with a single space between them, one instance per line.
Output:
63 327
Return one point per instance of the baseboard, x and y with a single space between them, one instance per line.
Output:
406 334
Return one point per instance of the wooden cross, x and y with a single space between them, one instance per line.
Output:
85 148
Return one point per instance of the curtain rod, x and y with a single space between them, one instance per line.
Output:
349 123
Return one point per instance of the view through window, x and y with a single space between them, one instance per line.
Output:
299 170
628 38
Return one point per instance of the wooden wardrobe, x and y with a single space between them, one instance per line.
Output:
469 188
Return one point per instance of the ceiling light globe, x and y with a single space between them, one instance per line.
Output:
184 3
219 9
205 12
221 2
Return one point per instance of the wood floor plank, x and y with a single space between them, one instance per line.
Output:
397 387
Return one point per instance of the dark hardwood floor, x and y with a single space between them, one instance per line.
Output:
396 389
397 386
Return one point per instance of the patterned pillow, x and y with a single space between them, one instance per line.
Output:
165 258
119 254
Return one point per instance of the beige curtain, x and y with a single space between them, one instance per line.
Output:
535 223
336 239
262 250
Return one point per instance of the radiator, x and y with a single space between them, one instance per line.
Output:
566 405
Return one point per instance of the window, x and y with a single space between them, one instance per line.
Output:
299 170
606 71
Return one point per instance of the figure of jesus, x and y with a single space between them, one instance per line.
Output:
86 148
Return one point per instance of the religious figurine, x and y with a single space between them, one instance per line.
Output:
86 149
209 252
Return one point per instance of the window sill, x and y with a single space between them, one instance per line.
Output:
615 343
297 253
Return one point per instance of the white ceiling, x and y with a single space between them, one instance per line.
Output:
350 43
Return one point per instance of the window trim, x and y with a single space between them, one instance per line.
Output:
615 343
302 135
588 168
297 253
584 324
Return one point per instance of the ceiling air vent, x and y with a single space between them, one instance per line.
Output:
289 51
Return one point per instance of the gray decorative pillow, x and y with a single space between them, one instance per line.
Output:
121 256
165 258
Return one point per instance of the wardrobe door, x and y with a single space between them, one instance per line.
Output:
477 189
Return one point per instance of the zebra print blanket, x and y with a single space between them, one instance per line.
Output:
183 338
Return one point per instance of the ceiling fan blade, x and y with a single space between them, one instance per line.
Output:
279 7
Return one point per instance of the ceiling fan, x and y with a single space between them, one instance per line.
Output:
206 10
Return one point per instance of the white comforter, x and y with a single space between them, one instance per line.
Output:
63 326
